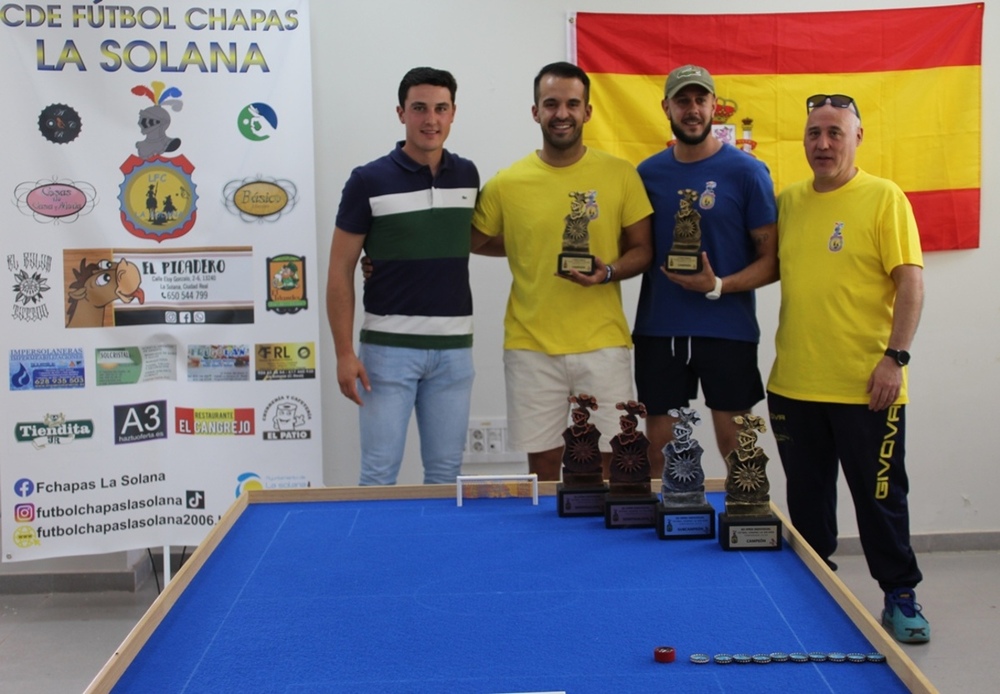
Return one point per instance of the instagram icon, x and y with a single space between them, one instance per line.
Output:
24 513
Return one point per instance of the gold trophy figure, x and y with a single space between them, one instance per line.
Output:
748 522
576 236
685 253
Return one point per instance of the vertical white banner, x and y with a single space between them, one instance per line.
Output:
160 318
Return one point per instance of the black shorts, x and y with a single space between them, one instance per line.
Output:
668 369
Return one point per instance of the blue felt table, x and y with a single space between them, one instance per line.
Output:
496 596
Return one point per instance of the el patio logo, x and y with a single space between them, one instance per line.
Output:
288 417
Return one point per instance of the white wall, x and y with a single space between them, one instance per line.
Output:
362 49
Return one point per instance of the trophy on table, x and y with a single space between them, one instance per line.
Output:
630 502
582 491
748 522
683 511
685 253
576 237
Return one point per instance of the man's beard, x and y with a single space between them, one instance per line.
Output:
688 139
563 144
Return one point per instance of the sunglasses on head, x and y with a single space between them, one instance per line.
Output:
835 100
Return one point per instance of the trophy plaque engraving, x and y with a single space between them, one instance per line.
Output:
685 252
630 502
683 512
582 491
576 237
748 523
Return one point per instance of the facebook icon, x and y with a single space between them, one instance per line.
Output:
24 487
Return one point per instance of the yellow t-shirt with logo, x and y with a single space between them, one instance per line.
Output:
836 251
532 204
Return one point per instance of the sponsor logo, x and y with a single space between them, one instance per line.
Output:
210 363
54 429
46 369
260 200
97 286
288 417
285 361
257 121
59 123
146 421
251 481
237 421
30 275
130 365
55 201
286 284
248 481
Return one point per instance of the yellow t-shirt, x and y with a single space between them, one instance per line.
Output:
531 204
836 251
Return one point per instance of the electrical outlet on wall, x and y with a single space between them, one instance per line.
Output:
487 442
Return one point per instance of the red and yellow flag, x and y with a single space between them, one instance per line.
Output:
914 73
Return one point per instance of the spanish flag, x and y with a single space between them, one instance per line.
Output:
915 75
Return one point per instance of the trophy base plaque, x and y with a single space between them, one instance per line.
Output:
749 532
696 522
581 262
633 511
686 262
581 501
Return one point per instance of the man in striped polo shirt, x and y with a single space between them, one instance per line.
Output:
410 212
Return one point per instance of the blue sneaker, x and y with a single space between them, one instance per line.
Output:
902 618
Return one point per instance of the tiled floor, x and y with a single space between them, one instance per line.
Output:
56 643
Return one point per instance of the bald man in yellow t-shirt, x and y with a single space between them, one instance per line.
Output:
851 296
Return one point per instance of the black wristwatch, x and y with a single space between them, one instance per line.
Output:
901 356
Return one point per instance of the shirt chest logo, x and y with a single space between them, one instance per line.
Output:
836 242
706 200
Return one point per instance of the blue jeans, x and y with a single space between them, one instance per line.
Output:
435 382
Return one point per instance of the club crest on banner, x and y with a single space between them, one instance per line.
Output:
158 196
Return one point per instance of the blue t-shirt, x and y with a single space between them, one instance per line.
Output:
733 194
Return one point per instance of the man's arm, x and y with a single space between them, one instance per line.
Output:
636 245
344 253
762 270
886 378
487 245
